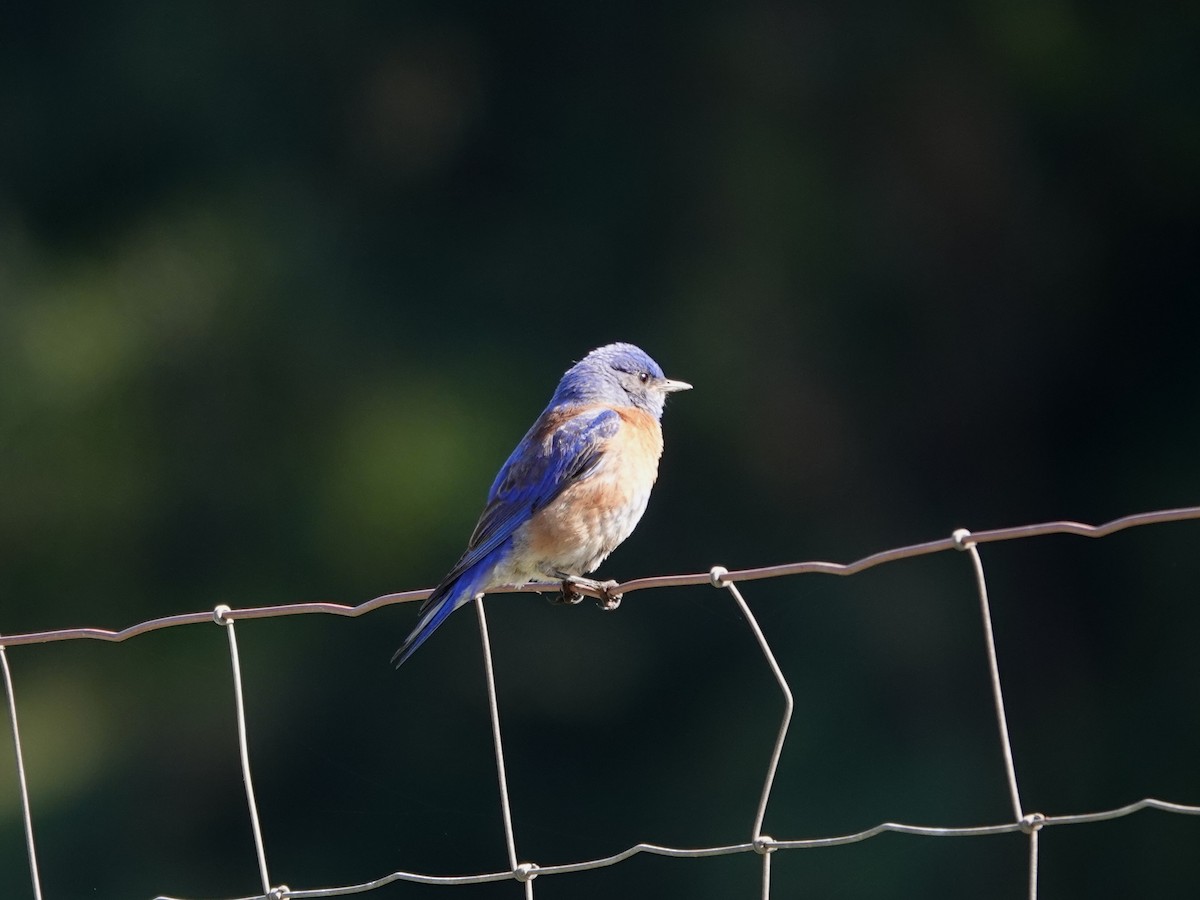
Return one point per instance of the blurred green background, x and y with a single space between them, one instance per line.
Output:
282 284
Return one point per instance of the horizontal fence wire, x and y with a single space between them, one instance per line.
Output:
526 872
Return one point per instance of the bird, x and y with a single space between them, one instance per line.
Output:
573 489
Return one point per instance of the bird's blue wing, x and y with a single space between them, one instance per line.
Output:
558 451
561 448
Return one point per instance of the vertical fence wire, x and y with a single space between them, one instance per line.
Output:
22 786
1033 862
962 541
962 537
222 617
521 873
762 843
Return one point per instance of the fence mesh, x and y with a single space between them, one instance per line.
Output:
526 873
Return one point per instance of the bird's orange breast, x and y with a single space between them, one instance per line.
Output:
576 531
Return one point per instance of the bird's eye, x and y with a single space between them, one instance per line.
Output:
643 377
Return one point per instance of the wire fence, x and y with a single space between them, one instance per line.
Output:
525 873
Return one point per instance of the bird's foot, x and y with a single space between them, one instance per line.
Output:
568 597
608 598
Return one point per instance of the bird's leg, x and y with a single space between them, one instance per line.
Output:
609 599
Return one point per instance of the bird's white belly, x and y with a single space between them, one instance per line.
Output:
606 527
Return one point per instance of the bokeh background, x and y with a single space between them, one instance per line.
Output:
281 284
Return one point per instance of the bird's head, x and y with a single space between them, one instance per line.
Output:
620 374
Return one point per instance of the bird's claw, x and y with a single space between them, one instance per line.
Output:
568 597
609 599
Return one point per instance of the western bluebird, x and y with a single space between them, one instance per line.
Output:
572 490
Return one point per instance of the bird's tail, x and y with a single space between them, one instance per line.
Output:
445 599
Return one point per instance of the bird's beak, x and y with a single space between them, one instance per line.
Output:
671 386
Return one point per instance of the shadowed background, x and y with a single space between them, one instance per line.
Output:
282 285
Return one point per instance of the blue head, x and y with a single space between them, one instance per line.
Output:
618 374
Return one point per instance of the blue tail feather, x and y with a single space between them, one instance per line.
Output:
445 599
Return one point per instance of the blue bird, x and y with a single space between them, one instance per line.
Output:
572 490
